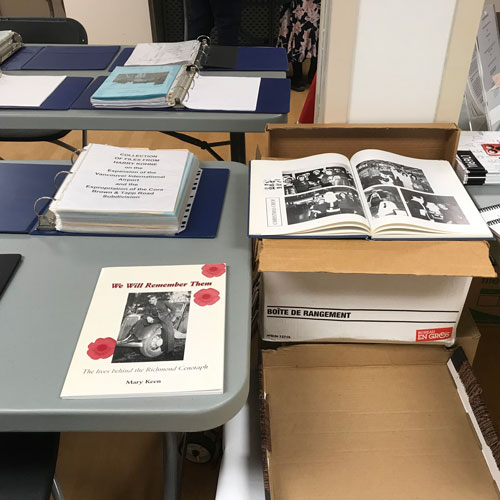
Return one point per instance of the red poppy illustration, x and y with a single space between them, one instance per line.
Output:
206 297
101 348
213 270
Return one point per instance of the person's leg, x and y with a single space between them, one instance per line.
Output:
312 69
297 77
199 18
227 17
168 331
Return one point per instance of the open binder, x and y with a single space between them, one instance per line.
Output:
26 190
273 98
218 57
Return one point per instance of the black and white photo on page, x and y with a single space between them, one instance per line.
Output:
381 172
434 208
307 180
323 202
154 327
384 201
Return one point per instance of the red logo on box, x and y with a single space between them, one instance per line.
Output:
434 334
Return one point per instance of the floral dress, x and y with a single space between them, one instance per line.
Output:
299 27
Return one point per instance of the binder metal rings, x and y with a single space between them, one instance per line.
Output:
46 221
204 39
72 158
57 175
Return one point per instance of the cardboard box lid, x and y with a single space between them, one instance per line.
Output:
368 421
432 141
433 258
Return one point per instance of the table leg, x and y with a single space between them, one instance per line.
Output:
173 456
238 147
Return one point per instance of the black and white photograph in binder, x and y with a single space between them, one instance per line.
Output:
126 191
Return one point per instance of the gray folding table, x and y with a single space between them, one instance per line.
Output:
43 308
170 122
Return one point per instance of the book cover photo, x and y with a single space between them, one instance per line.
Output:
152 331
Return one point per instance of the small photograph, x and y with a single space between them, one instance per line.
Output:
153 328
385 201
322 203
154 78
431 207
301 182
380 172
491 149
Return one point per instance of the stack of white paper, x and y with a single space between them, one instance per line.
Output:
127 191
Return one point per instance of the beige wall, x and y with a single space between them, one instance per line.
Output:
112 21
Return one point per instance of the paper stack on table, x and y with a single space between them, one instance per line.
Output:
127 191
27 91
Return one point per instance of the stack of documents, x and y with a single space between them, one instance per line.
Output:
478 157
10 42
27 91
127 191
174 85
141 86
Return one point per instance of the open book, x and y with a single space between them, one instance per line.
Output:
377 194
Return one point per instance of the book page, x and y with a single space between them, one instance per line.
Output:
223 93
27 91
110 178
408 195
157 54
152 331
312 194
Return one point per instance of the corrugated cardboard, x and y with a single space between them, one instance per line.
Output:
468 335
437 141
433 258
431 141
484 299
368 422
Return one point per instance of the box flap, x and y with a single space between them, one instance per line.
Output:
468 335
433 141
357 429
433 258
338 355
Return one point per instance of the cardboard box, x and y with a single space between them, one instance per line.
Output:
423 277
370 421
483 299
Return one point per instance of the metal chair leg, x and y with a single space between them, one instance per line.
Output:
84 138
57 493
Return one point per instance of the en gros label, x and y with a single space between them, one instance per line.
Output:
432 334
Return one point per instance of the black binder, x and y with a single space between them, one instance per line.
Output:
8 266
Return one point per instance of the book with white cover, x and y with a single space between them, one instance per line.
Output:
152 331
376 195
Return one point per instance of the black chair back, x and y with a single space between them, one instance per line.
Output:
46 30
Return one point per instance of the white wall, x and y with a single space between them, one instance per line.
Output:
112 21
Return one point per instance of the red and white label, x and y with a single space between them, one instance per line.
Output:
433 334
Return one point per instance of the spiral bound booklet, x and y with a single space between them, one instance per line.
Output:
152 331
491 216
376 195
125 191
175 86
